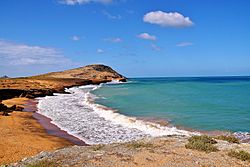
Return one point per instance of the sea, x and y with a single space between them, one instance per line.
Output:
151 107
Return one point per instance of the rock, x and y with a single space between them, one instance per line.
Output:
3 107
6 110
12 108
19 108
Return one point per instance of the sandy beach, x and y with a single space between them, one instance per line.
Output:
21 135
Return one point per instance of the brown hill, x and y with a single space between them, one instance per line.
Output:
47 84
90 72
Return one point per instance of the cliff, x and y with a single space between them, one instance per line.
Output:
47 84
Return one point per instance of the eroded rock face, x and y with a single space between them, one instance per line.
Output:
11 93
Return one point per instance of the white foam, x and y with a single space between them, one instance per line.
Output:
79 115
149 128
242 136
114 81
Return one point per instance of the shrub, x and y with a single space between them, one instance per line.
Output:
202 143
230 139
242 155
203 138
43 163
98 147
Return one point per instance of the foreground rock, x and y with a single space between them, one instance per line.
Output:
166 151
56 82
5 110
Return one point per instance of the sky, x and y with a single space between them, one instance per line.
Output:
138 38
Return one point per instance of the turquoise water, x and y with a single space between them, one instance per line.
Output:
209 103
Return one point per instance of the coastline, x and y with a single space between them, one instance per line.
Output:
22 135
156 151
51 129
54 130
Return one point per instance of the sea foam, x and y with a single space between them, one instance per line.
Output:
79 115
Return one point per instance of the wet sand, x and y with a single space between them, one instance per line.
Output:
21 135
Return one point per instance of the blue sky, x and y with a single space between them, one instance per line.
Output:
135 37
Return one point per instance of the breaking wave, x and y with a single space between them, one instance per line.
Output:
79 115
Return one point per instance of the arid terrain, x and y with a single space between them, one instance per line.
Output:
157 152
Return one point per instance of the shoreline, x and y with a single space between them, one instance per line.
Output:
30 106
23 136
26 139
166 123
51 129
54 130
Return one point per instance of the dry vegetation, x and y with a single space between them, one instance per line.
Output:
202 143
44 163
230 139
160 152
242 155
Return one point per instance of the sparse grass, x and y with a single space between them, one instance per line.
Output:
242 155
98 147
202 143
230 139
137 144
43 163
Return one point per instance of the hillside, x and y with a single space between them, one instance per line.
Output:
90 72
47 84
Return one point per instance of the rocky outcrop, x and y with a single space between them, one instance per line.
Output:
29 93
90 72
56 82
6 110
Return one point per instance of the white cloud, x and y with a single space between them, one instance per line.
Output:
167 19
22 54
82 2
155 47
114 40
75 38
110 16
100 51
147 36
183 44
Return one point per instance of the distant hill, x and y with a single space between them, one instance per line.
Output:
90 72
56 82
5 76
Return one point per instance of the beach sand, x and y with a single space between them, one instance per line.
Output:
21 135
